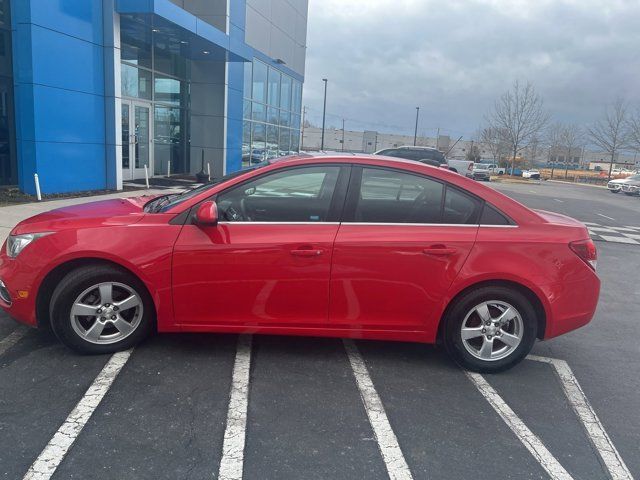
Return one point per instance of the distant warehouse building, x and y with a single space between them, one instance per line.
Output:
92 91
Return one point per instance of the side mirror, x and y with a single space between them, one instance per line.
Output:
207 214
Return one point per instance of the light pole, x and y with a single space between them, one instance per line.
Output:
415 133
324 113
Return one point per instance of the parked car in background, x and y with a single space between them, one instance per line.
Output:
632 185
430 156
426 155
335 246
484 171
532 174
481 173
615 186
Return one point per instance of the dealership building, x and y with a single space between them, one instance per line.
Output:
95 92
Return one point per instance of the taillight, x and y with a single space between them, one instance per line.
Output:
586 250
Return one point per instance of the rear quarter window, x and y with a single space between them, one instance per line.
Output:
491 216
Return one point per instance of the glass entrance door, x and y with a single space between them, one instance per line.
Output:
136 139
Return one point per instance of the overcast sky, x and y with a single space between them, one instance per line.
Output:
453 58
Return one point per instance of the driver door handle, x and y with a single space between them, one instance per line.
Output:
306 252
439 250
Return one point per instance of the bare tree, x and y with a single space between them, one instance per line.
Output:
493 139
611 133
633 126
572 138
553 141
519 113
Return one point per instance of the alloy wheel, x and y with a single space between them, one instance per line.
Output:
106 313
492 330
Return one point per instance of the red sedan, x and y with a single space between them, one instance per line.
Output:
358 246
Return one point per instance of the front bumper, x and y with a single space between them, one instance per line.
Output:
616 187
19 297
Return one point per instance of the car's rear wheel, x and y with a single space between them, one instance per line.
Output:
101 309
490 329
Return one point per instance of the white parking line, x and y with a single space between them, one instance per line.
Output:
10 340
231 464
55 451
517 426
594 428
558 200
610 218
397 467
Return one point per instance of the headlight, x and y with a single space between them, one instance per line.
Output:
17 243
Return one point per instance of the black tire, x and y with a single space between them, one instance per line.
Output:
452 336
79 280
614 191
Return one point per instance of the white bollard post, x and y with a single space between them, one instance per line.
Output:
146 175
168 168
209 170
37 180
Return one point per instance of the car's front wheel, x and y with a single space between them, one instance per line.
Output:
101 309
490 329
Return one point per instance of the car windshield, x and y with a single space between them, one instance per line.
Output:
165 202
634 177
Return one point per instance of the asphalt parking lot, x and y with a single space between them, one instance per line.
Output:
195 406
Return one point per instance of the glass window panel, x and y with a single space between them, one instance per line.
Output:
274 87
125 135
5 19
168 90
273 114
298 195
258 112
272 140
285 140
460 207
295 140
285 118
168 56
246 144
285 92
394 197
246 109
170 140
135 43
296 97
135 82
248 67
259 81
295 121
258 144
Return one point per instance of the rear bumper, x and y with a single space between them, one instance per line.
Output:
571 305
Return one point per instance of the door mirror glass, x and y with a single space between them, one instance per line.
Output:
207 214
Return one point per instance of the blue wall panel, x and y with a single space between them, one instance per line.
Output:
69 167
68 116
77 18
66 62
59 90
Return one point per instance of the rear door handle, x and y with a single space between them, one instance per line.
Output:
306 252
439 250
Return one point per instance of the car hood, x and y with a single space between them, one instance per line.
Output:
119 211
620 180
632 182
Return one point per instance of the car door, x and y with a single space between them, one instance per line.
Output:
403 240
268 260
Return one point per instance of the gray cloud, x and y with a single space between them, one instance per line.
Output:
454 58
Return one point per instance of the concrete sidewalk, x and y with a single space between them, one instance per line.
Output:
12 215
